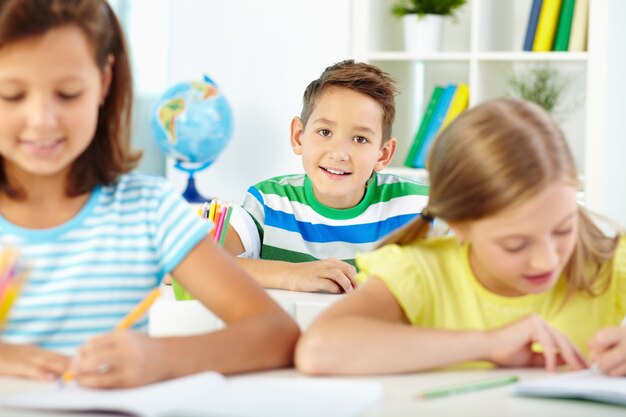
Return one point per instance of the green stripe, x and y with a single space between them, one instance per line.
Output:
283 187
386 192
278 254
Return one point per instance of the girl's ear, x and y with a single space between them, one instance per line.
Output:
107 77
459 230
386 155
297 130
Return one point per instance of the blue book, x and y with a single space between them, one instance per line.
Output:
533 18
433 128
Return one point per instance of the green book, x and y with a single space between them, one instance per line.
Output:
561 41
419 136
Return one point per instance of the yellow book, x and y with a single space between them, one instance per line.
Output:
578 34
458 105
546 27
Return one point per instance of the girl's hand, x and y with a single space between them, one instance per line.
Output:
512 345
31 362
119 359
608 350
327 275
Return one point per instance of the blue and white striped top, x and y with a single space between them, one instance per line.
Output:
91 271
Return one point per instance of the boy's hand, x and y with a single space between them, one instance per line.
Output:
120 359
33 362
512 345
607 348
327 275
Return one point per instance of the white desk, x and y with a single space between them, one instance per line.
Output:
169 317
400 398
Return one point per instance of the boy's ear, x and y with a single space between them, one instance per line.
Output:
107 77
386 155
296 135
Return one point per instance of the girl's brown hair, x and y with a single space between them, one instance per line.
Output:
360 77
498 154
109 153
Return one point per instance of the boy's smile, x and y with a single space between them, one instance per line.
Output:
341 146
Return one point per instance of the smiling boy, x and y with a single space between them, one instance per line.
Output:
304 230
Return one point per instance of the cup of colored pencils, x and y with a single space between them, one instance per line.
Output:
13 275
217 212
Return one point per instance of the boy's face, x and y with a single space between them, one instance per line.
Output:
341 146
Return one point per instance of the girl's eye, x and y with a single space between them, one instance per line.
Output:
324 132
514 248
563 232
361 139
12 97
69 96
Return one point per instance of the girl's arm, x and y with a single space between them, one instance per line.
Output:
259 334
368 333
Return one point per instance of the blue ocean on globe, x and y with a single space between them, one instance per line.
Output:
192 123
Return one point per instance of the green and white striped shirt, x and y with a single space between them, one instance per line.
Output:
294 226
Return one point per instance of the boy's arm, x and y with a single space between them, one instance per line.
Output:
327 275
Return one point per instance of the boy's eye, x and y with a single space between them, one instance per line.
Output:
324 132
360 139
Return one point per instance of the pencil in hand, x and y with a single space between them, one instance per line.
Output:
135 314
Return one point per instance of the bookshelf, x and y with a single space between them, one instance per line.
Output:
481 48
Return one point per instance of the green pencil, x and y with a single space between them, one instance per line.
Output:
470 387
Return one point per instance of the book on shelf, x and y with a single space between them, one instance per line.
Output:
561 41
459 103
578 33
531 27
421 131
435 125
546 26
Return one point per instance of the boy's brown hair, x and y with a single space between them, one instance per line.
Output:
109 154
360 77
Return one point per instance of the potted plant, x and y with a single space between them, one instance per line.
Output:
423 22
541 84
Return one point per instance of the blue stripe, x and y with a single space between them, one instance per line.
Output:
41 319
321 233
65 304
94 263
256 194
34 292
65 330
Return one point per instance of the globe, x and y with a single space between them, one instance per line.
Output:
192 123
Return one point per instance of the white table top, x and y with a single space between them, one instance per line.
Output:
400 397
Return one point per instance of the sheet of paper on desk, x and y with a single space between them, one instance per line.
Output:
587 385
210 394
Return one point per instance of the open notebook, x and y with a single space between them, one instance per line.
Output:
586 384
210 394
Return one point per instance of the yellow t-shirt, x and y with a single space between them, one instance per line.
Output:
435 286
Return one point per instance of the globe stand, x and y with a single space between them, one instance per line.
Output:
191 194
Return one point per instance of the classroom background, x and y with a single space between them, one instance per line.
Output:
263 54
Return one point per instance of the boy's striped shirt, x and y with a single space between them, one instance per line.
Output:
294 226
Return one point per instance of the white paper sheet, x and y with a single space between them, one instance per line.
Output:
210 394
587 384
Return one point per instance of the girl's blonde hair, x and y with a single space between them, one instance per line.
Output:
498 154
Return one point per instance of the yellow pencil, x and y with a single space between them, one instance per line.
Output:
126 322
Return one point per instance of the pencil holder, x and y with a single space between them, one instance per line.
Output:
180 293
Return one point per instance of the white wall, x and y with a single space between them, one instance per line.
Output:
262 54
615 168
